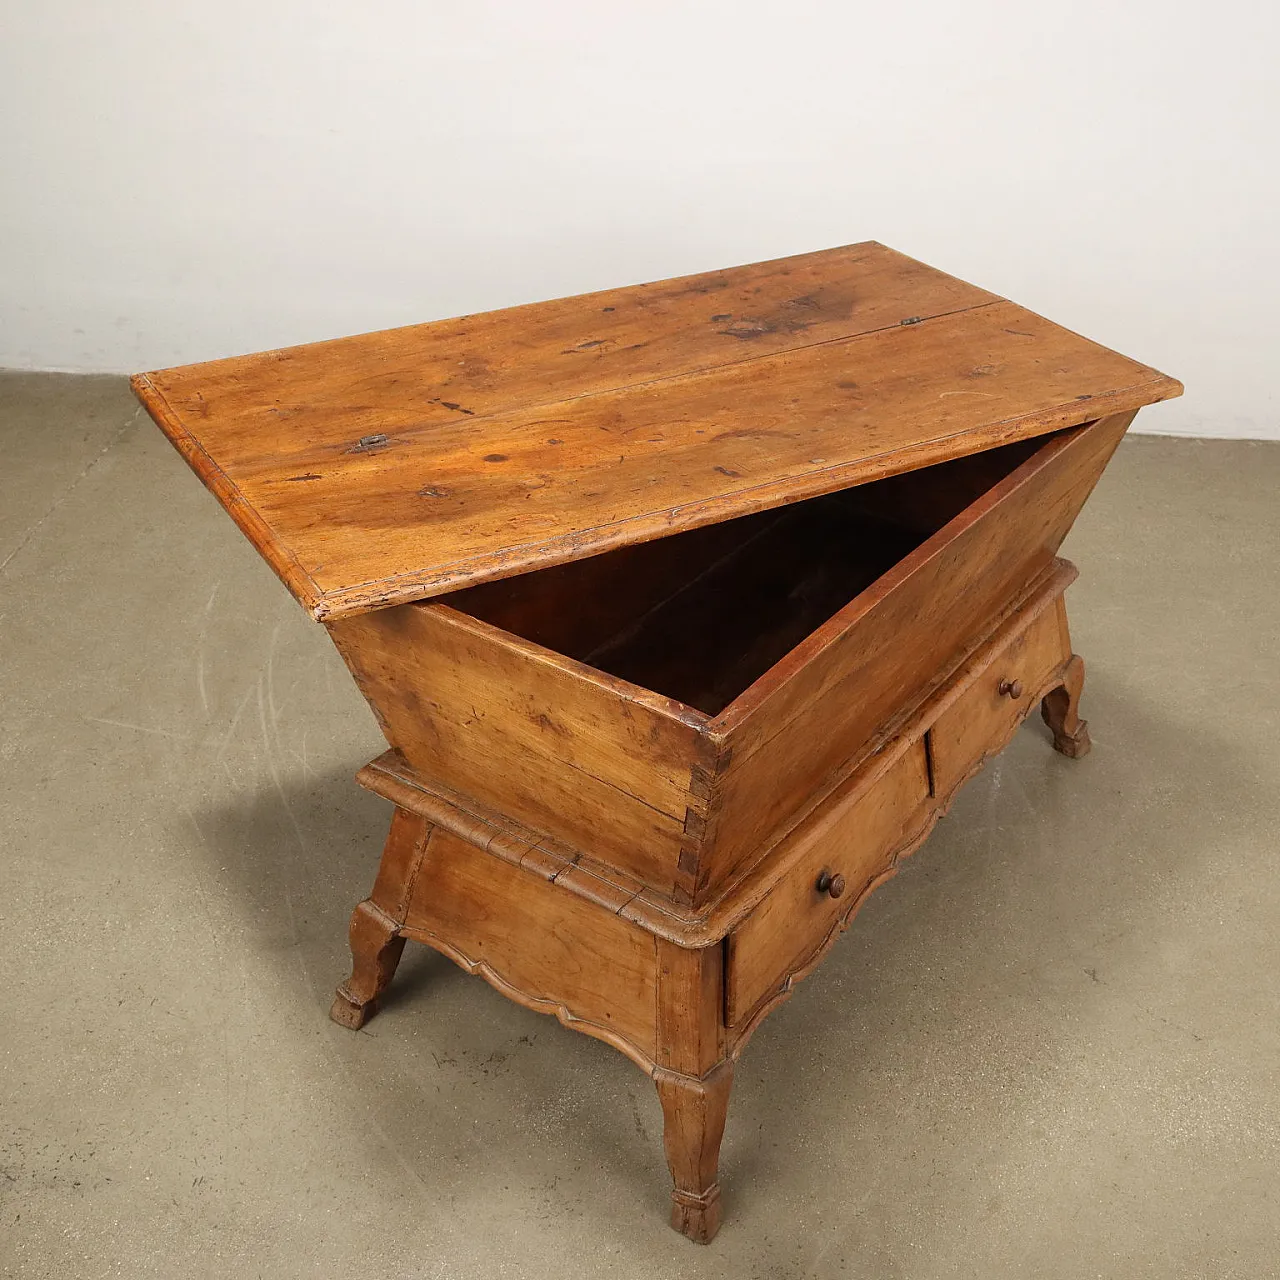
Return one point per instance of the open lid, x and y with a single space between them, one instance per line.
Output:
393 466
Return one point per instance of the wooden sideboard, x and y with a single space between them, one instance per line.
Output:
685 609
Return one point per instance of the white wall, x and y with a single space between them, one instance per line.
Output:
184 179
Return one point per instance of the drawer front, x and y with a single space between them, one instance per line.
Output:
855 839
981 720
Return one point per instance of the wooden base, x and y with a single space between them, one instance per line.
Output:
680 994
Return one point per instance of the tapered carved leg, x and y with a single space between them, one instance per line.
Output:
693 1124
376 942
1061 711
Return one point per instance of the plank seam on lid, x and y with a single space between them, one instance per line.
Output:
702 371
279 353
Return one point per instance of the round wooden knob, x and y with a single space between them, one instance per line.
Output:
831 885
1011 688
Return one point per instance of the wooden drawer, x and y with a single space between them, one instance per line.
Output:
854 839
982 719
671 708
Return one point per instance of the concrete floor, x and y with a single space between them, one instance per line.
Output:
1050 1048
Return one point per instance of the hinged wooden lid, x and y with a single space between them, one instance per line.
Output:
394 466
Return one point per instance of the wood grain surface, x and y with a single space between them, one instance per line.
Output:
393 466
552 950
814 623
546 741
804 723
855 840
391 777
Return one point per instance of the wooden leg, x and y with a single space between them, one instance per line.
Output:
376 946
376 942
693 1113
1061 711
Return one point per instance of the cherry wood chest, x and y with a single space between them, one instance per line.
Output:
685 608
